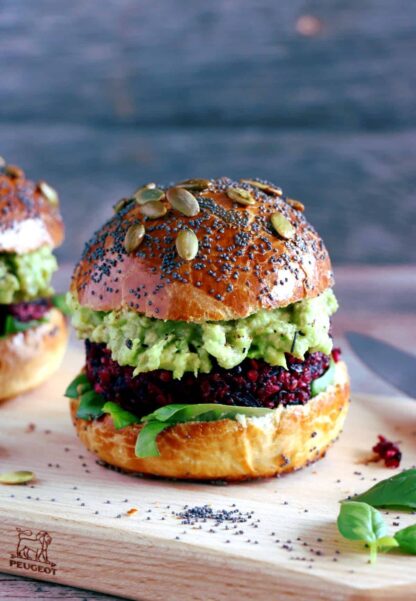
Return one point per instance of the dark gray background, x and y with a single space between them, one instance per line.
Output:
97 96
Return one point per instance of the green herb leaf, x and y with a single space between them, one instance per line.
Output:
187 413
386 543
14 326
165 413
146 445
359 521
169 415
78 386
398 491
91 405
321 384
59 301
406 539
121 417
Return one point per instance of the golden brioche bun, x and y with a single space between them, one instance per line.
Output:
29 220
286 440
28 358
242 264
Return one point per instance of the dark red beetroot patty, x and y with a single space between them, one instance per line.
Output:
253 383
25 312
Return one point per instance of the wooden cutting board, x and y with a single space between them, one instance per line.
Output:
85 525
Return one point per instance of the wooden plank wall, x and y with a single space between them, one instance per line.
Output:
98 97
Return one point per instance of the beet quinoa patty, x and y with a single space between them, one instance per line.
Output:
253 383
26 311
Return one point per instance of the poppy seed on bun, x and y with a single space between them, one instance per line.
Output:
242 264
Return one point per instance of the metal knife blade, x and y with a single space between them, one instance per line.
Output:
390 363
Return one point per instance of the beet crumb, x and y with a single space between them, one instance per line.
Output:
336 354
25 311
388 451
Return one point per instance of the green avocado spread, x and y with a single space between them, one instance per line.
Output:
26 277
148 343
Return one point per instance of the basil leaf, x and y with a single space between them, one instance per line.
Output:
359 521
321 384
121 417
386 543
91 405
186 413
406 539
212 416
59 301
78 386
165 413
217 412
169 415
398 491
146 445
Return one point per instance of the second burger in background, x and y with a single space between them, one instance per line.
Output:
205 310
33 329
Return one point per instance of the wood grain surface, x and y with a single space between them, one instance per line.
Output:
216 63
285 547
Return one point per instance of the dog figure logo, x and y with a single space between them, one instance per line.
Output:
32 551
33 547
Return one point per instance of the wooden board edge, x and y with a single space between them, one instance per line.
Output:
99 558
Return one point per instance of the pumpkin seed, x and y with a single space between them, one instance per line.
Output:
121 204
243 197
14 171
183 201
269 188
49 193
134 237
187 244
20 477
195 184
145 194
296 204
282 226
153 209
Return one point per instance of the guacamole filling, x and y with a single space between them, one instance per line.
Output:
26 277
148 344
138 369
26 295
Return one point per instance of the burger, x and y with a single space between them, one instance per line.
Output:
205 308
33 329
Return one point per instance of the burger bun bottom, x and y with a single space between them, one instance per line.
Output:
29 358
285 440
